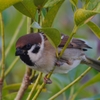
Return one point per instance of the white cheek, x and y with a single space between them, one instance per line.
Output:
34 57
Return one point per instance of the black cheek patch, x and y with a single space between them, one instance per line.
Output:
36 49
26 59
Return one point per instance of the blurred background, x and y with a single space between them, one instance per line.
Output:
64 23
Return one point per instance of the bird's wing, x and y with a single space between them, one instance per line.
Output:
75 43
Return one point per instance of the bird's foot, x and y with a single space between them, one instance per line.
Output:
47 80
61 62
58 63
69 62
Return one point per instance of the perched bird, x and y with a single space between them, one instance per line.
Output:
37 52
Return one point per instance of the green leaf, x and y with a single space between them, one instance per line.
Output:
10 96
51 3
91 4
97 8
17 86
39 3
26 7
36 25
87 3
82 16
50 16
74 3
53 36
5 4
94 80
94 28
12 87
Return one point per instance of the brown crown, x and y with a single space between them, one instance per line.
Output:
32 38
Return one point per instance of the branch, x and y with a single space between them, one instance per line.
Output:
24 85
11 66
42 86
68 41
34 86
3 55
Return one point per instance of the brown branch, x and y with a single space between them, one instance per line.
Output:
24 85
1 86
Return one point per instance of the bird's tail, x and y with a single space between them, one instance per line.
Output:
92 63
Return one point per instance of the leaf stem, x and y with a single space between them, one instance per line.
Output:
68 41
3 55
39 17
71 84
78 91
29 28
11 66
34 86
42 86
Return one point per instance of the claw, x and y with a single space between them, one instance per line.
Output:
58 63
47 80
62 61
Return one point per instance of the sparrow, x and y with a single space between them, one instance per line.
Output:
37 52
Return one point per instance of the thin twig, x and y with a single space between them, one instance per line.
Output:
29 28
11 43
34 86
15 34
39 17
42 86
71 84
11 66
3 55
14 37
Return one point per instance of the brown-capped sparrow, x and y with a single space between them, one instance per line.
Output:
37 52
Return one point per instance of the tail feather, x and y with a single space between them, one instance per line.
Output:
92 63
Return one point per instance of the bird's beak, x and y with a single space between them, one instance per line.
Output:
18 52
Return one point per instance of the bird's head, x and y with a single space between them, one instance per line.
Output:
30 47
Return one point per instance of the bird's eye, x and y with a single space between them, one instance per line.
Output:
28 46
